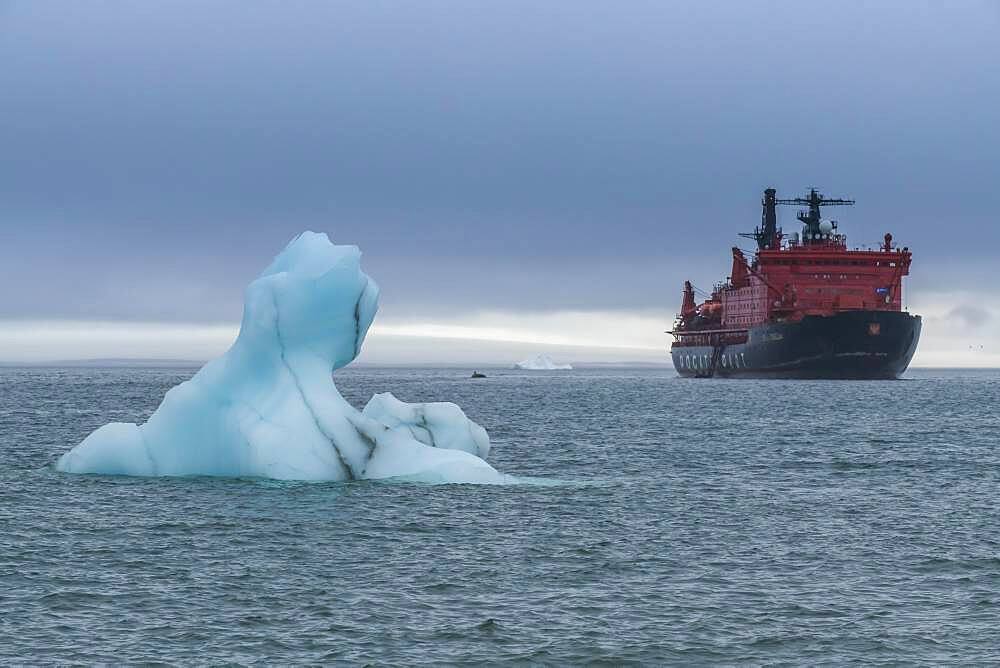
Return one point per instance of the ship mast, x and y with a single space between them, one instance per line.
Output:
768 235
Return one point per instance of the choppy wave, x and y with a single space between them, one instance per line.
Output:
649 521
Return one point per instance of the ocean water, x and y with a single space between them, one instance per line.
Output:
680 522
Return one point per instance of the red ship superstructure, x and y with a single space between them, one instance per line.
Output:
806 306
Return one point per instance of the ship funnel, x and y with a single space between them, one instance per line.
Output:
740 276
688 306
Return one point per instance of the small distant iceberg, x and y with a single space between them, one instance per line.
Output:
268 406
541 363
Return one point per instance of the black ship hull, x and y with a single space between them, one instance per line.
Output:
848 345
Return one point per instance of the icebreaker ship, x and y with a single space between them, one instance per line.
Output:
269 408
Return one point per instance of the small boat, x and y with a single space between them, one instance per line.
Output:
476 374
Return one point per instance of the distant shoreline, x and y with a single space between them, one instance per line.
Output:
108 363
114 363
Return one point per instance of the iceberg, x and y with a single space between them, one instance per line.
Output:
541 363
439 424
268 407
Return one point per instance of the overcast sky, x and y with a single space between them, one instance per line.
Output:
536 170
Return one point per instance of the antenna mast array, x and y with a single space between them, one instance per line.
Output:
768 235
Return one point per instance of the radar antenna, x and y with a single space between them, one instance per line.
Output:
812 218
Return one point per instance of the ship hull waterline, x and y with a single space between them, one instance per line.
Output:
858 345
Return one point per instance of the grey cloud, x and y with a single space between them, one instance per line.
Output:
970 316
507 154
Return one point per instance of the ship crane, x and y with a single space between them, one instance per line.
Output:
768 235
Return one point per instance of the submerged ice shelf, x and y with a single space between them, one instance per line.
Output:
268 407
